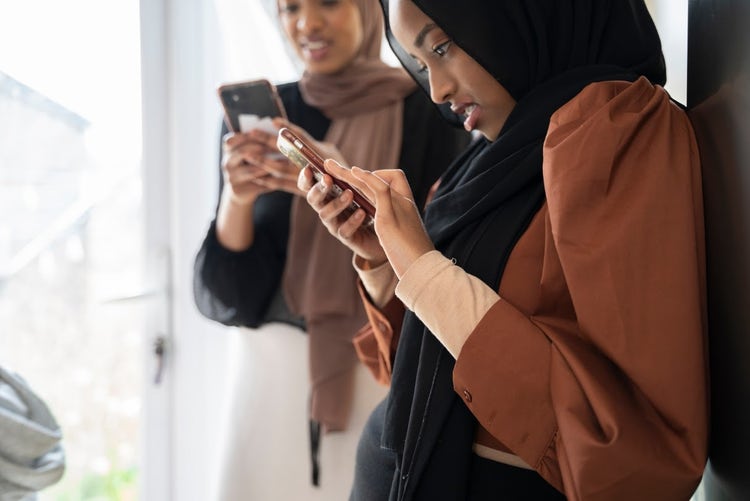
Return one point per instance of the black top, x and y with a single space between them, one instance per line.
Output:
243 288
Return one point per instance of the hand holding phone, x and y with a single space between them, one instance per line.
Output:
303 155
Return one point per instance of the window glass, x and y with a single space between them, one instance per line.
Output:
71 230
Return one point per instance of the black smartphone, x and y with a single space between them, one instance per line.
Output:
254 98
303 155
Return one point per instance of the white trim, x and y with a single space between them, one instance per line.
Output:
180 136
156 471
500 456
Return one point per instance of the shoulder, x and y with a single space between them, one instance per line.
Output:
613 108
617 142
611 123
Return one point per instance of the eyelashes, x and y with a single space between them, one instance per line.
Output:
440 50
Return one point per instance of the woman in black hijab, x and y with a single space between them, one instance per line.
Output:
553 340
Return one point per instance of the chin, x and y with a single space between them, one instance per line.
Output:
324 69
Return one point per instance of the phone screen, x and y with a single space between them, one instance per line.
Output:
255 98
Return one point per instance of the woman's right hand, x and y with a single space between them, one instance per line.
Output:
242 169
348 228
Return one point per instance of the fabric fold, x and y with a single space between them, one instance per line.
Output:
365 105
31 453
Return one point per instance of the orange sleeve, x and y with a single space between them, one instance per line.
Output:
375 343
603 386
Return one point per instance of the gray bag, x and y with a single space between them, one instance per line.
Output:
31 453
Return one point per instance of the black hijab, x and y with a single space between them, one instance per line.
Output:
543 52
523 43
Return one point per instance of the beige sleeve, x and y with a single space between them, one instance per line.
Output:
379 283
449 301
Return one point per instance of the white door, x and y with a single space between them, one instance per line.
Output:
108 126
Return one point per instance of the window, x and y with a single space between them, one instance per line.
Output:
71 230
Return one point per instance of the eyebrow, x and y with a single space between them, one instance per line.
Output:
423 33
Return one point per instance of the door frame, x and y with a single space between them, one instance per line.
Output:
179 44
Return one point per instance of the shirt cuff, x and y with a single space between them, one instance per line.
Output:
379 282
449 301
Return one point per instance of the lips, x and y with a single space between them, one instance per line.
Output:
315 49
471 112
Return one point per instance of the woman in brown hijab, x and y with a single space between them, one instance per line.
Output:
266 256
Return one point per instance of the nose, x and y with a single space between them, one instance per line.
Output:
309 19
442 86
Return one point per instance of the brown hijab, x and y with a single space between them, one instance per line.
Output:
365 104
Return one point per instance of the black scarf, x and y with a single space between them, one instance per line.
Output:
543 52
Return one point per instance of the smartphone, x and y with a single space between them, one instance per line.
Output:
303 155
249 101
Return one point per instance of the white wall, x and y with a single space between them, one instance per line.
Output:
671 17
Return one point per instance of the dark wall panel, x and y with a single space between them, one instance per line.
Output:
719 102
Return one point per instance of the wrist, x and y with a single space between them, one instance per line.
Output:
230 199
234 225
369 263
405 258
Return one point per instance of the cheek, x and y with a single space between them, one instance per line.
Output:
485 88
348 25
357 38
287 26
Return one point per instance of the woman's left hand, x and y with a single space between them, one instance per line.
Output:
397 221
